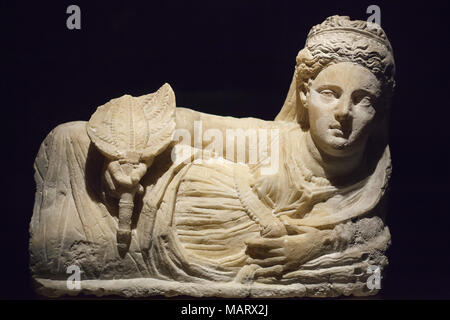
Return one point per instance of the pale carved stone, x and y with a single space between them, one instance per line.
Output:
142 212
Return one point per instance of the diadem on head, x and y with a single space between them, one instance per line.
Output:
343 25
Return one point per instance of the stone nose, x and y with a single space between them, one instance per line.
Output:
343 109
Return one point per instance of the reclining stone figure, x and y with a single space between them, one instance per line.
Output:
141 212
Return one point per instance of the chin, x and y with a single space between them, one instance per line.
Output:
337 143
338 146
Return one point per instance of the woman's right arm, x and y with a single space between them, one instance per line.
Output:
201 126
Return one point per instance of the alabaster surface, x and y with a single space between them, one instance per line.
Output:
147 198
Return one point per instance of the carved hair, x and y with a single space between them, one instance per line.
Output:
338 39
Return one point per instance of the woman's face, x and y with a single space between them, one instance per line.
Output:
341 108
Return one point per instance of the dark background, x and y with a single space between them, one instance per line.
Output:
228 58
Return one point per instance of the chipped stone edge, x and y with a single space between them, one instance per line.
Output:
146 287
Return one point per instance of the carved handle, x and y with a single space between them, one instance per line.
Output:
126 205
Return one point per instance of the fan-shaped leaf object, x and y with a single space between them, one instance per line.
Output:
131 130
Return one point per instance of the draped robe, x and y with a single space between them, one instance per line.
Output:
192 222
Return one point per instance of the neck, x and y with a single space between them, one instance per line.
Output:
326 166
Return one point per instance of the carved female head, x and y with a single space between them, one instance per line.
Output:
343 81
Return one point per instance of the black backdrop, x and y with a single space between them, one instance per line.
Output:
227 58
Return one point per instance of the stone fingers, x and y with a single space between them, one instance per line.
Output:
268 262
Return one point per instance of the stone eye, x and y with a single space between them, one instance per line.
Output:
362 98
366 100
328 93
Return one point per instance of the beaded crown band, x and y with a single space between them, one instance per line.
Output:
343 24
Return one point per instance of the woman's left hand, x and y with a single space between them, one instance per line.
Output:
278 255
